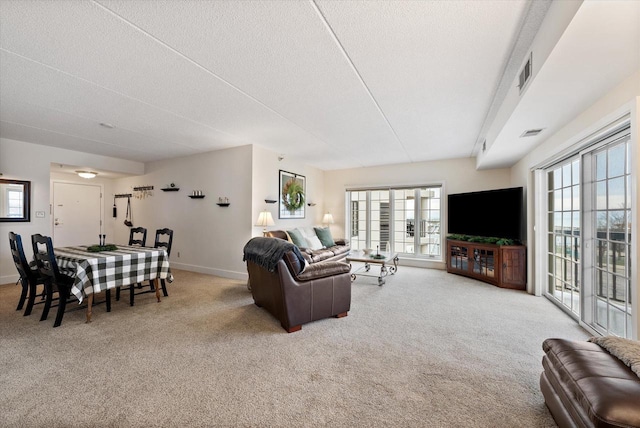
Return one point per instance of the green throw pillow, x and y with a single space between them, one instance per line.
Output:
324 235
297 238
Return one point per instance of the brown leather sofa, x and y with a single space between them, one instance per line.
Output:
585 386
293 293
336 253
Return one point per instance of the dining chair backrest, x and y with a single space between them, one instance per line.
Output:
44 256
164 239
141 240
19 259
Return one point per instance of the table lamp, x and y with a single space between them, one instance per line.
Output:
327 219
264 220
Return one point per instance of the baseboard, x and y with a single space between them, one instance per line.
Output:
9 279
243 276
422 263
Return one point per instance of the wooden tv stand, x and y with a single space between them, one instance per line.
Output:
501 265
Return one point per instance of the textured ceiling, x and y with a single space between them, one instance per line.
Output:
334 84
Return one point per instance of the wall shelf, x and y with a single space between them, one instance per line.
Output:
196 196
223 204
170 189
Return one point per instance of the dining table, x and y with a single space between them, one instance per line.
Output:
97 271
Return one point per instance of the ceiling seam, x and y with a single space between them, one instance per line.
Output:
118 93
118 127
358 75
75 136
203 68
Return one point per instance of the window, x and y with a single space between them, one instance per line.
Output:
401 220
564 234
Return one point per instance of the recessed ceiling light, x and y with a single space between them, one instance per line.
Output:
106 125
86 174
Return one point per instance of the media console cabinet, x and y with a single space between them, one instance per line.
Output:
501 265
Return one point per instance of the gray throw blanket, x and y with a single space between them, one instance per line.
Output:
266 252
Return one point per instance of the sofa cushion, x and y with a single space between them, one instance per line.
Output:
339 249
295 265
323 270
320 255
307 231
297 238
314 243
324 235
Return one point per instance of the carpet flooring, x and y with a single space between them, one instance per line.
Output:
427 349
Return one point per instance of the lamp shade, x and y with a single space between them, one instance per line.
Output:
265 219
327 219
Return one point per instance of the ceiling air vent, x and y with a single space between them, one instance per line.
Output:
525 74
531 132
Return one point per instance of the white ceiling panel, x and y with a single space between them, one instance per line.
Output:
332 84
435 65
51 138
27 85
282 54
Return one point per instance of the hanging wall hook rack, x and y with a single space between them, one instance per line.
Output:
123 195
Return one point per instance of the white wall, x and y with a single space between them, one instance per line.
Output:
456 176
207 238
32 162
266 181
623 99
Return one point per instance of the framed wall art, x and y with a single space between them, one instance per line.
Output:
292 195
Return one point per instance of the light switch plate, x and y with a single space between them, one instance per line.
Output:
40 214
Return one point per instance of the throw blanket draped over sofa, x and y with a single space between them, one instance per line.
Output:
267 252
292 291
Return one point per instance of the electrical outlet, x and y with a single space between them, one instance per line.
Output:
40 214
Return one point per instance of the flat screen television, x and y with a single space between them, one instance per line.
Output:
490 213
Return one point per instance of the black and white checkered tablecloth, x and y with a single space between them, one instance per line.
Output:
96 272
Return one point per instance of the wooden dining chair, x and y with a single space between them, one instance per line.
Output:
30 277
137 237
139 240
164 240
55 282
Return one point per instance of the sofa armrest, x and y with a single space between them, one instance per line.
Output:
322 270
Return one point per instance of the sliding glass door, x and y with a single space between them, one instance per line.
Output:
612 238
589 235
564 217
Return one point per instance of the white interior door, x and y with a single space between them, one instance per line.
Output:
77 212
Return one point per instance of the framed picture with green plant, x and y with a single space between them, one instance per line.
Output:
292 195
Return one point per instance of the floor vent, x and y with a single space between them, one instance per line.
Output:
525 74
531 132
